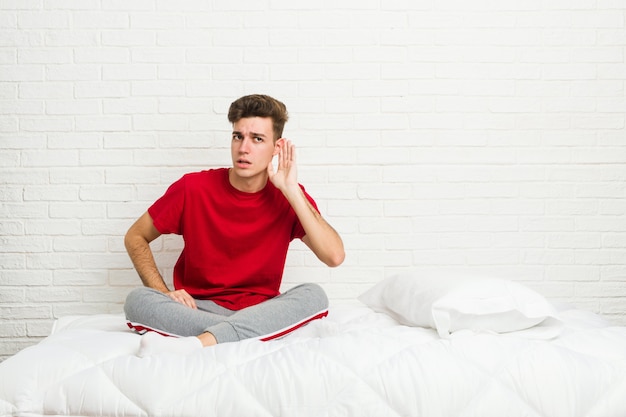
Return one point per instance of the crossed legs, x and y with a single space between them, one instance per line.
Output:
211 323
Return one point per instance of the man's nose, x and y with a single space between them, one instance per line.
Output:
245 145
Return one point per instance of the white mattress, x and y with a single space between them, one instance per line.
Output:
353 363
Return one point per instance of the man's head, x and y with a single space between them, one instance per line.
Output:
258 105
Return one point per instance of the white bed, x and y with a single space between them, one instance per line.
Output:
356 362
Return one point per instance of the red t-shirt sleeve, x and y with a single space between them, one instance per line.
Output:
167 211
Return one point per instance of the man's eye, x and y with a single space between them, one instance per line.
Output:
258 139
237 137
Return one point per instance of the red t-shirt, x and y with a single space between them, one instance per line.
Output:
235 242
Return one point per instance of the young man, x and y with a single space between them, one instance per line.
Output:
237 224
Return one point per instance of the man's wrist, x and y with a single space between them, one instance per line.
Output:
292 192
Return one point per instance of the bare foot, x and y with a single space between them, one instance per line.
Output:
207 339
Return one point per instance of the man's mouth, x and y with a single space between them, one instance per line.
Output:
243 162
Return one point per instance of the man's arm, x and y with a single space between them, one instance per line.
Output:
137 242
320 237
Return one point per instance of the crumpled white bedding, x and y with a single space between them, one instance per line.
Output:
353 363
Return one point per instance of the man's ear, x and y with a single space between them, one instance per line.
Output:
277 145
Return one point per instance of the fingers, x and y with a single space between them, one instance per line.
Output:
181 296
287 152
284 175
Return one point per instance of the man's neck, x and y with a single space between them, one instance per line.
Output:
247 185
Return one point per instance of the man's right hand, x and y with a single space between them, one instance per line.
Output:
181 296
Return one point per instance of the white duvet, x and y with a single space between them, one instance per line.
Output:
355 362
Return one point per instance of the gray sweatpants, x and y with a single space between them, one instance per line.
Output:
285 312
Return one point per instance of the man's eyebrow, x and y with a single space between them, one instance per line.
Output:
254 134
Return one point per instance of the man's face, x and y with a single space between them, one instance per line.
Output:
252 147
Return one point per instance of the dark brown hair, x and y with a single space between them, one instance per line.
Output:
258 105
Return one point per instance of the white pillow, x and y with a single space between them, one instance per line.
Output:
452 303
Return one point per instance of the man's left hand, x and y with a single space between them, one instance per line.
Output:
286 174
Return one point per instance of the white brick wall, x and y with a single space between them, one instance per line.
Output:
484 136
